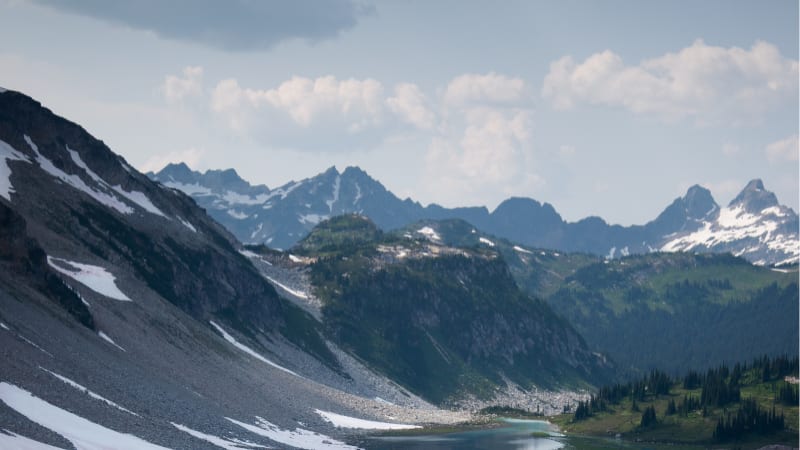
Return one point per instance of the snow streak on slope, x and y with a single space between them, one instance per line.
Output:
7 153
287 288
135 196
299 438
87 391
95 278
522 250
14 441
108 339
336 186
76 182
341 421
250 351
82 433
227 444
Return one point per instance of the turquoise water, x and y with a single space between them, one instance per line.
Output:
515 434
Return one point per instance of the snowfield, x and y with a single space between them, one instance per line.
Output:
82 433
95 278
735 224
227 444
299 438
341 421
14 441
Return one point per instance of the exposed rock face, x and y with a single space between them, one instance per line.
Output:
24 263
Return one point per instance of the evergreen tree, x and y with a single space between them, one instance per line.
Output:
649 417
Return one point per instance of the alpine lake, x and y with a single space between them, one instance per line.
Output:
509 434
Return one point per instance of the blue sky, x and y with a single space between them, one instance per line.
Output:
609 108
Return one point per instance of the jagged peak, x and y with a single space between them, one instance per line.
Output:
332 170
698 202
754 197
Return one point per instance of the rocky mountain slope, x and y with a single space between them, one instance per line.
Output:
439 319
754 226
671 311
131 319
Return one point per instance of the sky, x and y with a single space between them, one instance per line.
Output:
610 108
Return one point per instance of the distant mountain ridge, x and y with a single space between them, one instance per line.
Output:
754 225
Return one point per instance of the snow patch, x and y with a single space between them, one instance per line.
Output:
522 250
312 219
227 444
257 230
7 153
358 194
82 433
483 240
251 255
237 214
4 326
299 438
108 339
296 293
250 351
188 225
87 391
430 233
140 199
341 421
241 199
95 278
9 439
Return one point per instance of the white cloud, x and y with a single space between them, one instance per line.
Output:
483 150
706 83
303 111
176 88
783 150
411 105
479 128
192 157
304 99
486 89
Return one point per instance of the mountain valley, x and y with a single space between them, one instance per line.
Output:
133 314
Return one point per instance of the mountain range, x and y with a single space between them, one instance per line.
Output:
753 225
131 319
